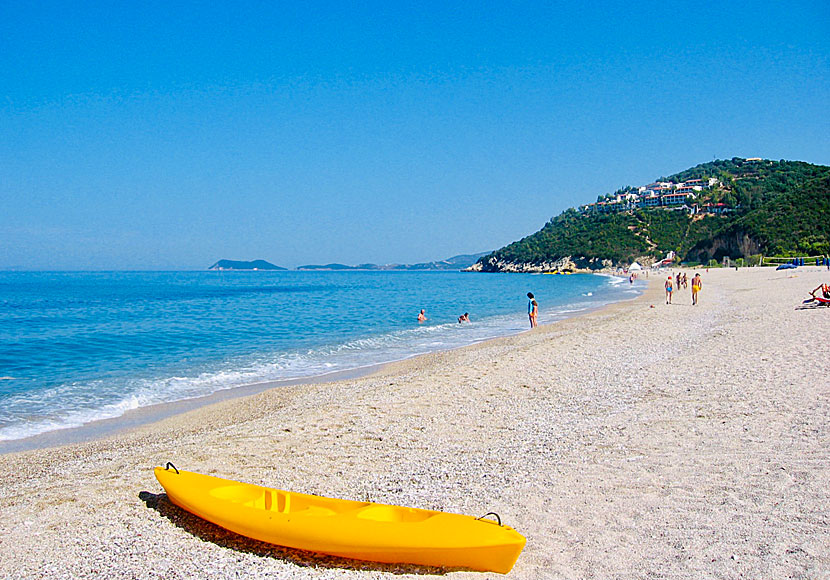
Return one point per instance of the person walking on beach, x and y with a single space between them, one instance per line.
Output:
532 310
669 289
422 316
697 284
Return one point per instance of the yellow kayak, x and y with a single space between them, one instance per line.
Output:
350 529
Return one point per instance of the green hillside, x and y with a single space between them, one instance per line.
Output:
795 222
773 208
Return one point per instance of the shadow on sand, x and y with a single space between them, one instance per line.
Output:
209 532
811 305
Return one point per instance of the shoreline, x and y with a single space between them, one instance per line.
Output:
141 416
632 441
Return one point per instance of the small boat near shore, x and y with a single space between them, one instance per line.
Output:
350 529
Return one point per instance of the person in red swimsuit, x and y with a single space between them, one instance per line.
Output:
825 291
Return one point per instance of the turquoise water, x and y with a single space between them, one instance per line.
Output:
77 347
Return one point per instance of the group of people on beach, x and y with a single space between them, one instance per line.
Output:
682 280
532 313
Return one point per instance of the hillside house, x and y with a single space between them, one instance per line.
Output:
675 198
658 194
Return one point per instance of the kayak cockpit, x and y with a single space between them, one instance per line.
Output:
284 502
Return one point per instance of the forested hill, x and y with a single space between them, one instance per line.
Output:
747 184
753 207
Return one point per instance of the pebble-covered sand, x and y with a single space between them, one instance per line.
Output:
631 442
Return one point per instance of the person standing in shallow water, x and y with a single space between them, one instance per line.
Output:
532 310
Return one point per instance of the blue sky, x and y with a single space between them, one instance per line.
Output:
161 135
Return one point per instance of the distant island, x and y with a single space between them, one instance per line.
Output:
460 262
241 265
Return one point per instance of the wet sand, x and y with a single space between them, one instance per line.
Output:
631 442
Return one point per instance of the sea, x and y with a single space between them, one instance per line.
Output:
81 347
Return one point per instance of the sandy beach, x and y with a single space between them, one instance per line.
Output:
639 441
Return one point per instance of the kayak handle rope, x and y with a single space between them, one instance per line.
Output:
491 514
169 465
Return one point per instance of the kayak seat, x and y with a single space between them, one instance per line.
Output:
288 502
244 494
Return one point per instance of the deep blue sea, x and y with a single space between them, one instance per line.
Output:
81 346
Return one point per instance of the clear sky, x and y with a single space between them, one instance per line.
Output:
168 135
